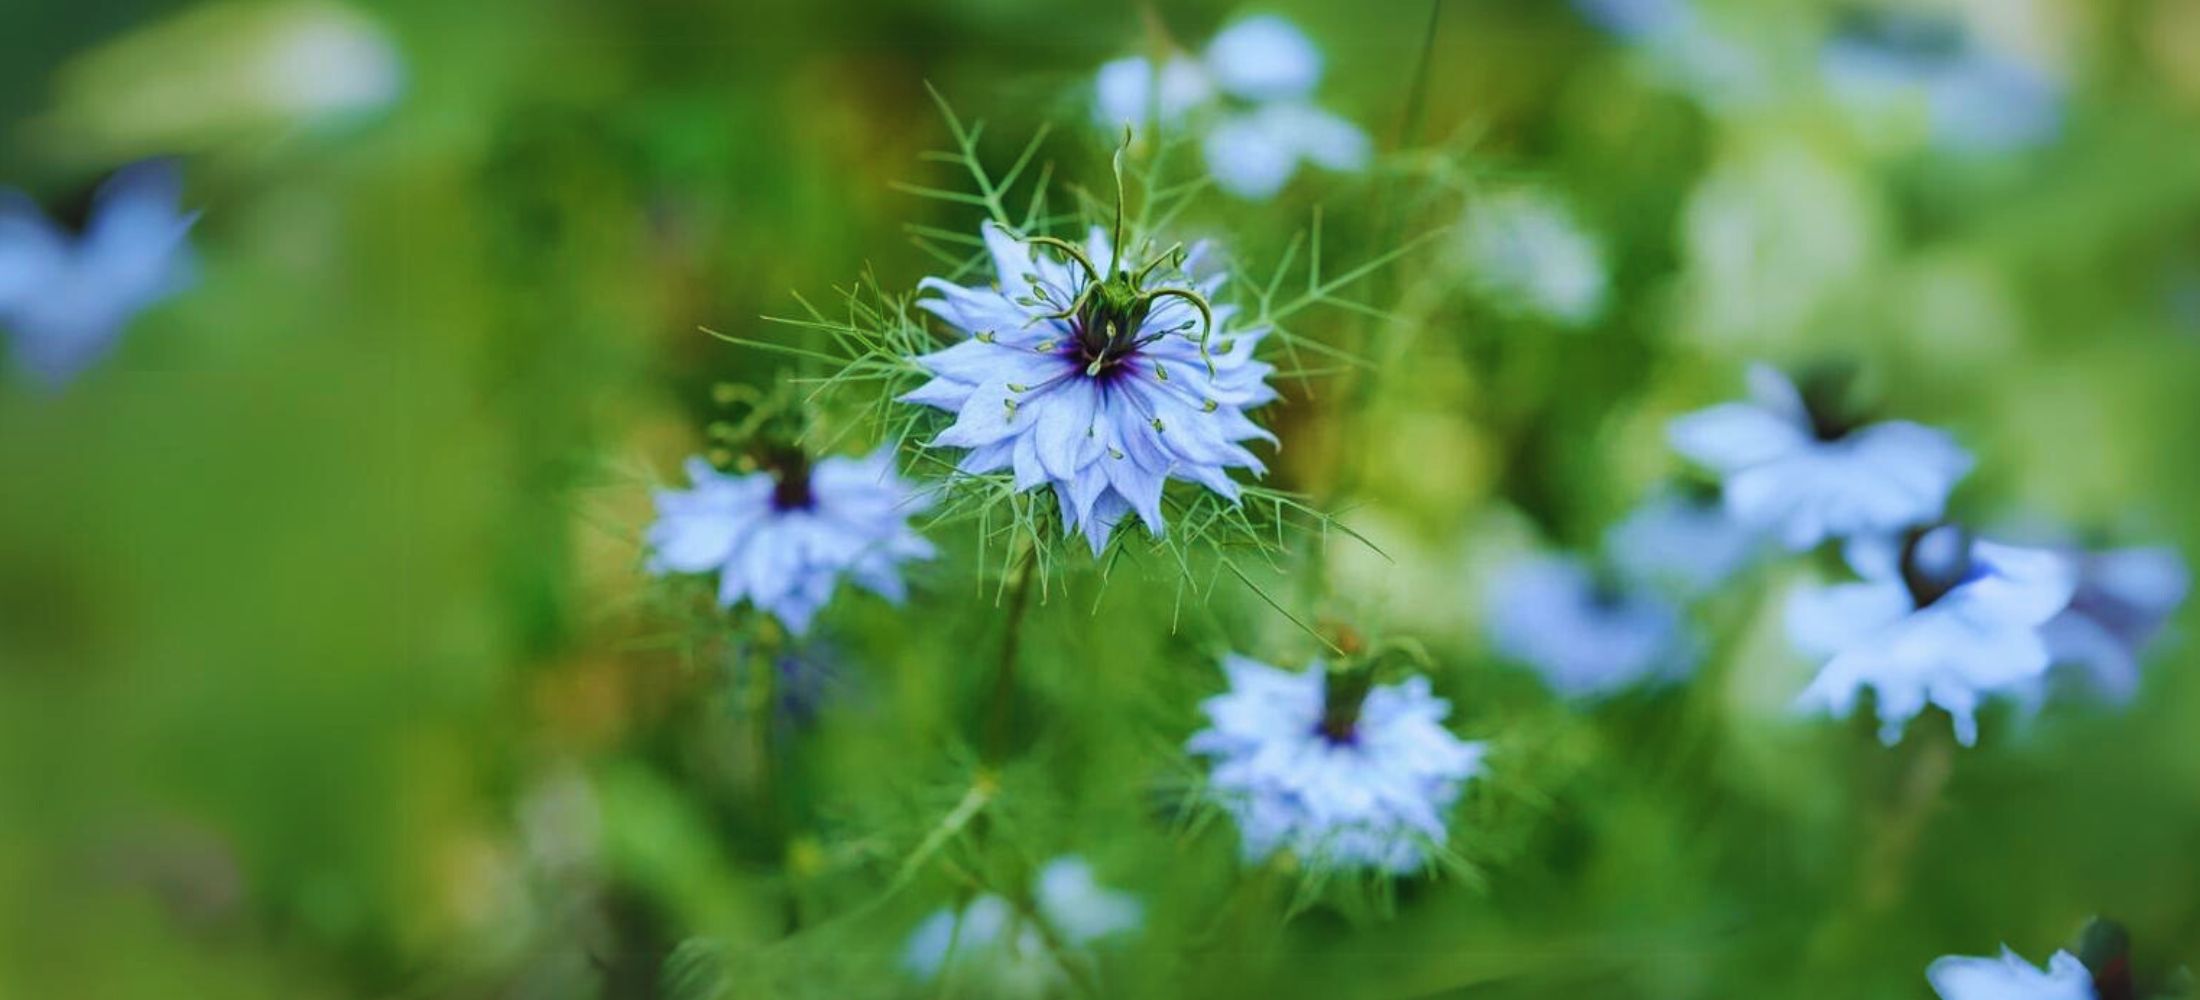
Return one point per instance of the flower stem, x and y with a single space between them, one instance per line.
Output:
1004 675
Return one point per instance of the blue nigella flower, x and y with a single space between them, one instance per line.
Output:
1803 474
2123 598
1586 635
1938 618
1684 49
783 538
991 940
66 297
1974 99
1103 387
1250 95
1332 767
2010 977
1681 543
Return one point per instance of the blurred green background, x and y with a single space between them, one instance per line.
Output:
327 668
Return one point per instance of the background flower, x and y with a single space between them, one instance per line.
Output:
2010 977
783 539
1787 471
1939 619
66 297
988 941
1375 798
1251 95
1584 636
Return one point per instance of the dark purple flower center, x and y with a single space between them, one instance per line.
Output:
1344 693
1936 561
790 472
1825 392
1105 331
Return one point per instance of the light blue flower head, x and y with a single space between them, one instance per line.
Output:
783 538
2123 598
1587 637
1334 768
1803 474
1975 99
1250 95
1938 618
2010 977
1101 377
1006 949
1681 543
66 297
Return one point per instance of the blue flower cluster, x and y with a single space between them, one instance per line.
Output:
1937 616
1250 95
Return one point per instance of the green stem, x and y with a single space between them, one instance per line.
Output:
1004 674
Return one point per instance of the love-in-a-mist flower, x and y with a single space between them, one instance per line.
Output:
783 538
1938 618
1527 256
1102 377
989 942
1250 95
65 297
2123 598
1585 635
1804 474
2010 977
1681 542
1333 767
1973 97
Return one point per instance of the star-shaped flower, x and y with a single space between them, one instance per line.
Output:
1803 476
1100 377
783 538
1939 618
1356 777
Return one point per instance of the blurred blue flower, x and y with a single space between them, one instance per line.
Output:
2010 977
66 297
1586 636
1684 544
1102 389
1250 95
1795 472
1006 949
1684 50
2123 597
1974 99
1369 792
1938 618
783 538
1527 256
